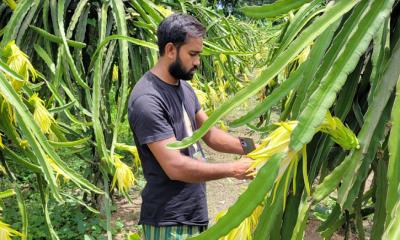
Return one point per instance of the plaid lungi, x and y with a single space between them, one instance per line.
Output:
179 232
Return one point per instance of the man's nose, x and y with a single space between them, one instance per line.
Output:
196 62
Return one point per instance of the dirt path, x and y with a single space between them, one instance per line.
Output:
221 194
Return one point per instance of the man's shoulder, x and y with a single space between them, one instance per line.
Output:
144 83
144 87
144 99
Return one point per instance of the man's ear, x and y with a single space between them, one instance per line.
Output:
170 51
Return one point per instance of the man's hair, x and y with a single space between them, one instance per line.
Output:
176 29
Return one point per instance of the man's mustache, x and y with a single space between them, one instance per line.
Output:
193 69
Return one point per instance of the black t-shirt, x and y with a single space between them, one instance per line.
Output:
158 111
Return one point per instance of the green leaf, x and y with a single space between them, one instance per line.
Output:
60 99
247 202
97 83
376 141
304 208
76 200
56 39
120 37
317 55
380 99
22 211
29 17
273 209
74 99
212 49
321 100
332 218
331 181
87 237
6 69
292 82
62 108
74 70
273 10
143 14
393 228
393 175
332 224
7 193
107 204
119 15
13 25
75 17
149 7
380 196
134 236
302 17
46 58
341 38
70 143
44 195
20 160
379 55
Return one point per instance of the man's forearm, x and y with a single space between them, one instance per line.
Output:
186 169
190 170
223 142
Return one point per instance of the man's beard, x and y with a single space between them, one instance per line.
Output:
177 71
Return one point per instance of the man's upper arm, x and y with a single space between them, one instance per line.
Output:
150 120
167 158
151 126
200 117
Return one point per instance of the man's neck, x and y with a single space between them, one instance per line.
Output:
161 71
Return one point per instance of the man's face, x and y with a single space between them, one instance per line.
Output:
187 59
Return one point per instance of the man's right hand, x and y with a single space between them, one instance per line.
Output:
241 169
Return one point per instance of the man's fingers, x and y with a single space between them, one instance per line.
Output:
244 169
249 176
250 169
247 160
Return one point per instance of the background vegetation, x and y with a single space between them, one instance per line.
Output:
67 67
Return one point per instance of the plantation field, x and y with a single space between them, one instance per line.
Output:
316 83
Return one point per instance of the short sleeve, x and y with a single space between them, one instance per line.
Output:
149 120
197 105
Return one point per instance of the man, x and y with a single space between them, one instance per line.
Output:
163 108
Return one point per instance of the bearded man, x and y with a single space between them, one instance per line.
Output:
163 108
